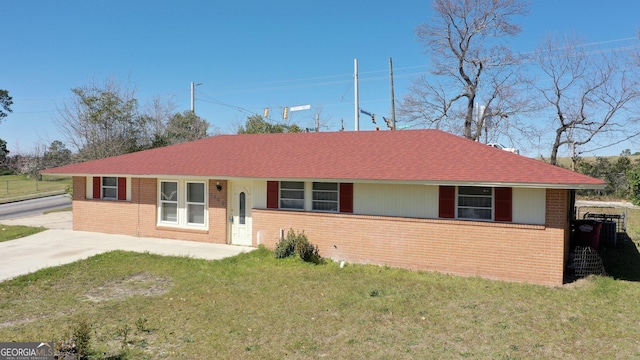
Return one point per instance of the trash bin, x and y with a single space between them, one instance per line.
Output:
608 233
587 233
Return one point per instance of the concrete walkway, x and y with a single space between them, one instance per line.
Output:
61 245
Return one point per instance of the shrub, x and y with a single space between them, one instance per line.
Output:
297 244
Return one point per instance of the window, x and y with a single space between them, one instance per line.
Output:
195 203
317 196
292 195
182 203
475 202
325 197
109 187
169 201
243 210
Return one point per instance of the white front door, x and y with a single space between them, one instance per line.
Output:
241 214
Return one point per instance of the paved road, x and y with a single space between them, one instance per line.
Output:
38 206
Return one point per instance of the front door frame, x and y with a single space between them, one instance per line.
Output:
241 234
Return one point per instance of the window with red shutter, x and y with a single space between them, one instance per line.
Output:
447 202
504 206
122 188
272 194
346 197
97 187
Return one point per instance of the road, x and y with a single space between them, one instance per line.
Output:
33 206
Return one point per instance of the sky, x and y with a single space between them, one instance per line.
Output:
248 55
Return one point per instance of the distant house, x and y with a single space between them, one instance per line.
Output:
417 199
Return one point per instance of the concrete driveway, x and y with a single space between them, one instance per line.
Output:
61 245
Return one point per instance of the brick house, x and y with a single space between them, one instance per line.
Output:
417 199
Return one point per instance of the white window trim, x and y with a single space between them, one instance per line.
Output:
182 216
187 203
160 202
337 201
493 204
308 197
304 196
103 186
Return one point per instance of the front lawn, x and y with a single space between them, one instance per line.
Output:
143 306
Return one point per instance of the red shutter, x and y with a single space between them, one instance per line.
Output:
272 194
447 202
504 205
97 187
346 197
122 188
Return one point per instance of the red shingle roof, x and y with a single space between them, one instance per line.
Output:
424 156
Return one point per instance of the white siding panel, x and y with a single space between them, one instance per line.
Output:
418 201
259 194
89 187
529 206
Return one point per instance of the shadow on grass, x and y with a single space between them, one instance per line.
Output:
622 262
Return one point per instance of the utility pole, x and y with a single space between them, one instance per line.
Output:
393 99
357 96
193 96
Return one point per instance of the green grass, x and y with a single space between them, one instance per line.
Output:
143 306
17 231
14 187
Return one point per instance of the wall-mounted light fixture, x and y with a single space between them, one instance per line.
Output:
218 186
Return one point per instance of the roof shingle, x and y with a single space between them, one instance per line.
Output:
429 156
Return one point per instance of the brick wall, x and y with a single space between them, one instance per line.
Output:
523 253
138 217
514 252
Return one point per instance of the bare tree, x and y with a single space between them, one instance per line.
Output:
588 94
473 69
101 120
158 112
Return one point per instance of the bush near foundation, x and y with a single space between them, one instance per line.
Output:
297 244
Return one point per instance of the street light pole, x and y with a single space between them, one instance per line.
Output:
193 96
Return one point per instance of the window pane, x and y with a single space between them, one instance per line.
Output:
169 191
292 185
109 193
169 212
325 206
468 213
242 208
195 214
292 194
292 204
474 201
325 195
109 181
195 192
325 186
474 190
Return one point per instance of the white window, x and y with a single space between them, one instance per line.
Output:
169 201
109 187
182 203
325 197
292 195
475 202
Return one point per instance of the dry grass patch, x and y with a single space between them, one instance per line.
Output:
141 284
